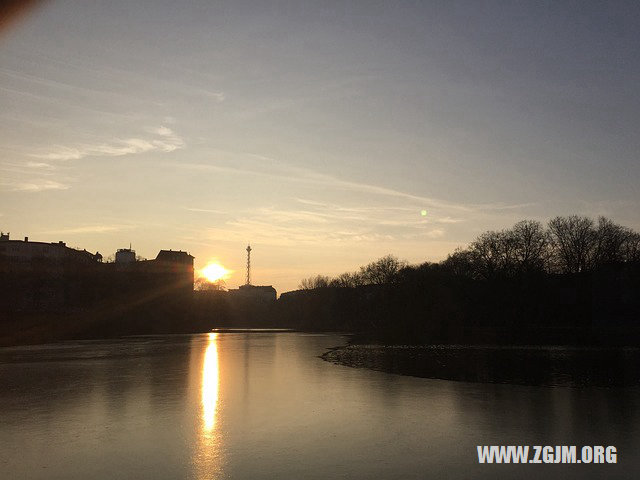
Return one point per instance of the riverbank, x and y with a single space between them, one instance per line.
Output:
556 366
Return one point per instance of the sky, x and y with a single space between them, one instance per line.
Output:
316 131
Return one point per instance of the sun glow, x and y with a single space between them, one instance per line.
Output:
214 272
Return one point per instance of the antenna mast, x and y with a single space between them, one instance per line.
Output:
249 264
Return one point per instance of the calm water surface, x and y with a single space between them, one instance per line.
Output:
263 405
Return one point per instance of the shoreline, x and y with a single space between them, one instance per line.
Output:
532 365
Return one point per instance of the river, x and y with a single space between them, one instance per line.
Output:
263 405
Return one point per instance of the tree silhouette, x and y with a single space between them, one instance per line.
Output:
631 247
203 285
319 281
531 243
462 262
569 245
493 254
347 280
610 240
573 241
382 270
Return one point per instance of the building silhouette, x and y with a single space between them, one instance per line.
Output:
252 293
125 255
41 276
26 251
257 293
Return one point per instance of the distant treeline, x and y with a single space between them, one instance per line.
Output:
575 281
571 244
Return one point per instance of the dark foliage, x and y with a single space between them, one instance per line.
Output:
577 281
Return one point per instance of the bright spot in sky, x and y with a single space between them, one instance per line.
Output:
214 271
423 213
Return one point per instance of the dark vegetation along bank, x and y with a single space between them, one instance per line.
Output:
574 281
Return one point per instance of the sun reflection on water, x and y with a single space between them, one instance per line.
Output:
210 384
208 454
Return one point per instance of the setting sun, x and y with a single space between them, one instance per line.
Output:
214 272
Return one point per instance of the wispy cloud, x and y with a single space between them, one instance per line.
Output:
24 169
374 217
216 96
163 139
203 210
91 229
448 220
290 173
377 215
325 224
40 165
31 177
38 185
306 201
382 215
300 175
435 233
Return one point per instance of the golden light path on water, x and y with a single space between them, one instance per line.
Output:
208 454
210 384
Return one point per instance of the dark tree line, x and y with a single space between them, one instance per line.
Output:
570 244
573 281
383 271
